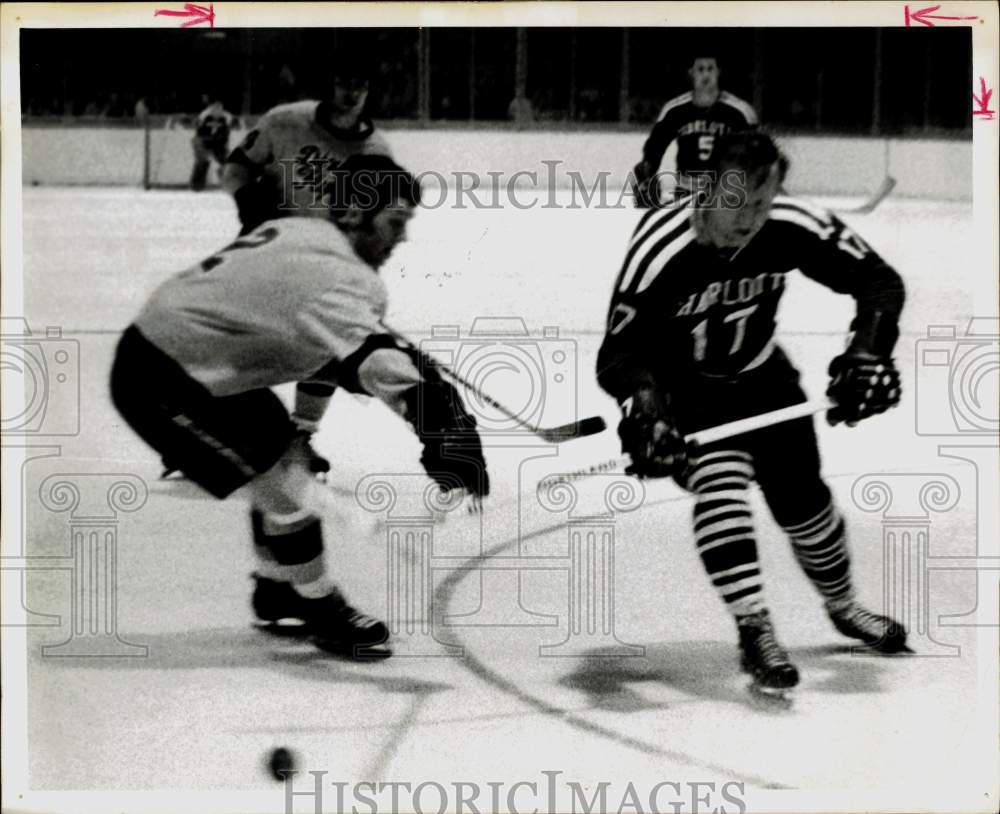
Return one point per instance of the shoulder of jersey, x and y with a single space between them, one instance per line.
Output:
318 236
660 236
292 112
816 219
377 144
677 101
745 108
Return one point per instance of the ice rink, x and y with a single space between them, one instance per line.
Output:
523 666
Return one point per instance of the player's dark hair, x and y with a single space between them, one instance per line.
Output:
749 151
702 53
371 183
354 59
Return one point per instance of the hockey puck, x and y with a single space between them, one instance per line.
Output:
280 762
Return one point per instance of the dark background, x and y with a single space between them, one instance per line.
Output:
895 81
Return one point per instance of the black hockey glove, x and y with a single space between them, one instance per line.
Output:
647 186
255 203
650 437
453 452
862 385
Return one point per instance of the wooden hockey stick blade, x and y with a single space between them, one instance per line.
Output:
554 435
888 185
575 429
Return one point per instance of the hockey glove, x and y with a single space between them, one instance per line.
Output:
862 385
650 437
647 186
453 452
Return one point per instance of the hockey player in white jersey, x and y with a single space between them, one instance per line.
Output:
298 299
278 168
278 171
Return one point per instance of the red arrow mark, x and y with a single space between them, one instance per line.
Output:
924 15
983 102
201 14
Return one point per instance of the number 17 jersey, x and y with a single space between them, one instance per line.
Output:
683 309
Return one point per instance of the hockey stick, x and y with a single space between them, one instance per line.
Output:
554 435
706 436
888 184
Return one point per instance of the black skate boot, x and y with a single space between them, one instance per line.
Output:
278 607
329 621
880 633
762 656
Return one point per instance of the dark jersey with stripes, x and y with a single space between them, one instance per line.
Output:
681 308
695 129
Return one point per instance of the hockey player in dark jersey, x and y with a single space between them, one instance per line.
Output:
694 119
690 344
299 299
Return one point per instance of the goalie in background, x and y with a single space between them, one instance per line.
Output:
210 141
298 299
690 345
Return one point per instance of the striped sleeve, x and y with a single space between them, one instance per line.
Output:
660 235
626 360
828 251
745 109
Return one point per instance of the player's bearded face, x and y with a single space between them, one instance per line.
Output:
386 230
738 211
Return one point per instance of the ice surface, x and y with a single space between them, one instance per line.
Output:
213 696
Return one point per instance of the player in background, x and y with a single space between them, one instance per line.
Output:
210 140
298 299
694 119
690 344
278 171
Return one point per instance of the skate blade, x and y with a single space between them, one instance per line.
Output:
290 627
780 697
354 652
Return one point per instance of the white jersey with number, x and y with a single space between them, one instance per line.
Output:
276 306
295 149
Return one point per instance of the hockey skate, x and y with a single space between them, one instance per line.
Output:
763 658
880 633
329 622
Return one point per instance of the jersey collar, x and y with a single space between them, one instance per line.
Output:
361 130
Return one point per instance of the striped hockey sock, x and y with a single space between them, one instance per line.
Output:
820 545
723 528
